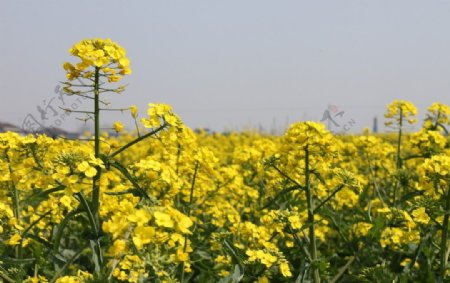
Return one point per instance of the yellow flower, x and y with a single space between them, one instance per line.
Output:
392 236
118 247
140 217
182 255
68 279
362 228
420 215
407 261
134 111
295 221
163 220
437 166
118 126
266 258
14 240
285 270
87 169
182 222
101 54
438 115
38 279
66 201
399 111
142 236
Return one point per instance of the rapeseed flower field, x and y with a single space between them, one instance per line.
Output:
164 203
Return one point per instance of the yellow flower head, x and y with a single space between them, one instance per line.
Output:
118 126
103 55
14 240
437 117
308 134
285 270
400 111
134 111
437 166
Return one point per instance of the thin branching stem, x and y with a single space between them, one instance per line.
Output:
310 204
151 133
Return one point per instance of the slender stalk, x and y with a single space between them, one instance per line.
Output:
137 128
5 277
343 269
15 199
312 235
95 202
66 266
398 160
191 199
139 139
444 236
16 207
373 177
330 196
95 185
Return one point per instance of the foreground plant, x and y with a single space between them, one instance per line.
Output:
307 155
100 60
399 113
170 205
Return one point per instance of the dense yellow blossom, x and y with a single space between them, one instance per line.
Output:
399 111
217 201
98 53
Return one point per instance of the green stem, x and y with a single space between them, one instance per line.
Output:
343 269
312 235
444 242
330 196
191 199
374 178
398 160
15 197
95 202
137 127
6 277
66 266
139 139
95 185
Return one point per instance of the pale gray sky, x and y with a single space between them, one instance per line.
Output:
228 64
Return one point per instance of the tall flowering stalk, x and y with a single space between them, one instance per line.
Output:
437 171
306 151
438 117
399 112
102 60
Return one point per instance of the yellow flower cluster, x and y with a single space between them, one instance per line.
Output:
438 114
399 111
103 55
207 205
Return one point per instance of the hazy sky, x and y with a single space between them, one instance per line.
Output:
231 64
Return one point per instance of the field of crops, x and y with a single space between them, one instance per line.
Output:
167 204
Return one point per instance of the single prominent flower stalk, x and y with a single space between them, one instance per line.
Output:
444 236
95 182
399 112
305 146
100 58
310 206
437 171
437 117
